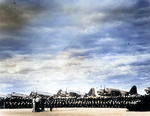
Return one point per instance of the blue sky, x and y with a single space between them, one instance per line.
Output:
76 44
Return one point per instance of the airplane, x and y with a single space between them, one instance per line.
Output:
73 93
41 93
91 93
69 93
62 93
116 92
14 94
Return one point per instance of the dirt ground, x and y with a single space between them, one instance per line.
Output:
73 112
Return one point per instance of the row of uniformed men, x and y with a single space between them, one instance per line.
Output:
18 102
89 102
40 102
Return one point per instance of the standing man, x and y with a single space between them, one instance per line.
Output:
42 103
34 106
51 103
37 104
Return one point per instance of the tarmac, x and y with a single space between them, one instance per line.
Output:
74 112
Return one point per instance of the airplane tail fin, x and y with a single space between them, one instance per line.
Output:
133 90
91 92
59 92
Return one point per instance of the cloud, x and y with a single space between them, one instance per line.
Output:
73 42
6 55
15 14
100 13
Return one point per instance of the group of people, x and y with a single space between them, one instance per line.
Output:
38 104
117 102
16 102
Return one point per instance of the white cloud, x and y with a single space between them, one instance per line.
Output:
85 42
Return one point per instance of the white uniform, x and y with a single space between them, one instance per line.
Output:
33 101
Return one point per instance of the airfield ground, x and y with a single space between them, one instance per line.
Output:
74 112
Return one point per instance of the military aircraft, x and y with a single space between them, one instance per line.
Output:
14 94
41 93
62 93
73 93
69 93
116 92
90 93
